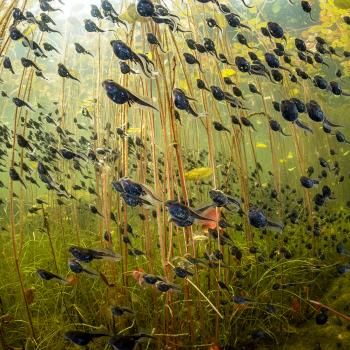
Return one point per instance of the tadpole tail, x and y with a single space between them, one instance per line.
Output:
138 60
192 112
216 55
161 48
148 62
22 182
41 51
200 217
245 26
251 47
235 203
247 6
74 78
303 126
275 226
122 22
200 68
312 19
265 74
284 134
175 16
141 102
28 106
286 69
56 31
37 68
172 24
28 42
329 123
90 272
225 13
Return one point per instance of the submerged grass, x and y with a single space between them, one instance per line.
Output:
56 307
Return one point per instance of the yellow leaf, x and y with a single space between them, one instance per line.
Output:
29 30
200 238
290 155
88 102
228 72
342 4
295 91
220 20
198 173
261 145
134 131
183 84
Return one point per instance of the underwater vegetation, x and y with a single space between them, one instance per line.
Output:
174 174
